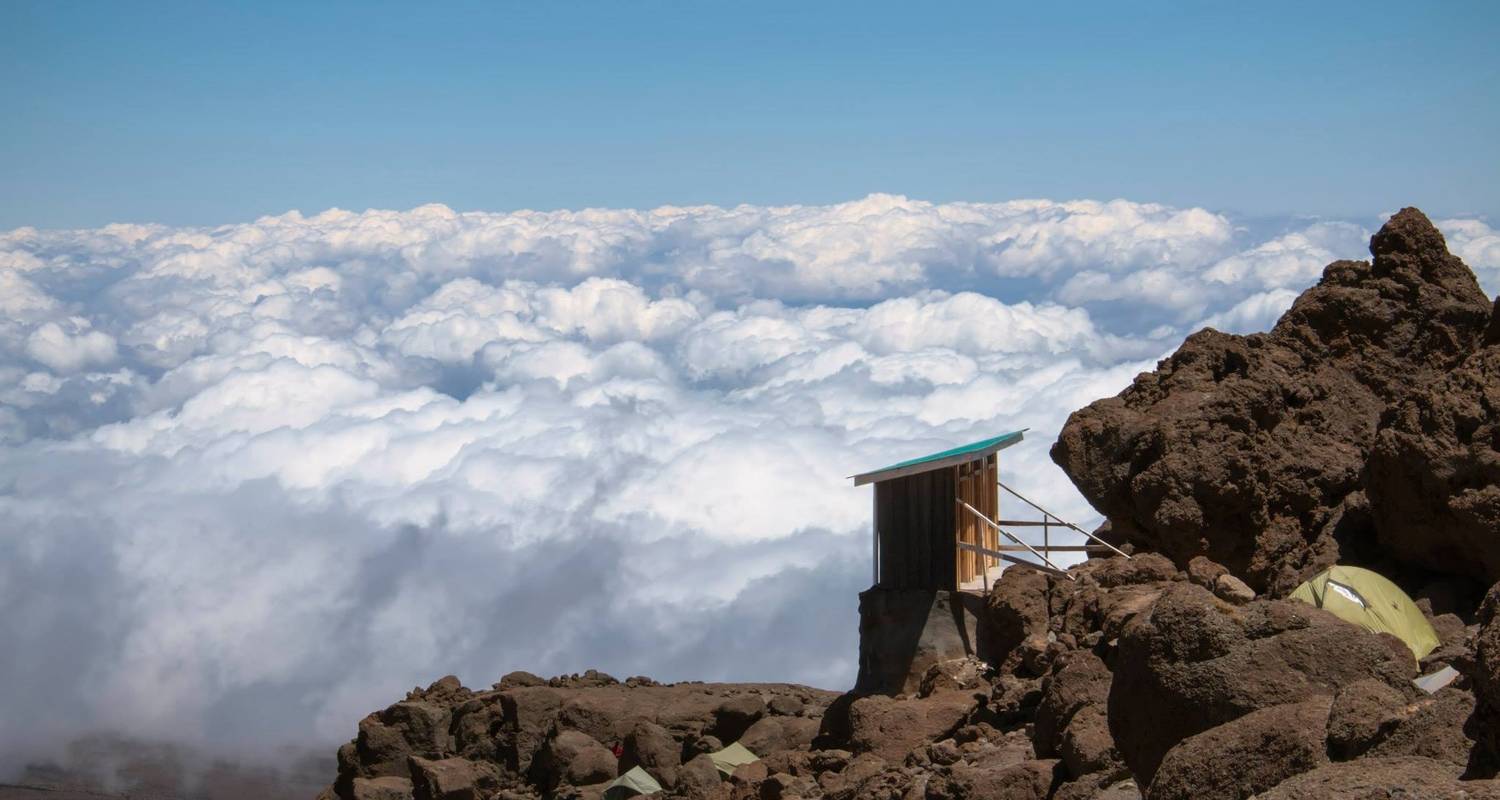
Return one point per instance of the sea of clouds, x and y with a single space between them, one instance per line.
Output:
256 480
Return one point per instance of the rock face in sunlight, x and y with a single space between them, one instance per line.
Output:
1363 420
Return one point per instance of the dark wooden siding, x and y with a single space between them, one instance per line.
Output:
914 517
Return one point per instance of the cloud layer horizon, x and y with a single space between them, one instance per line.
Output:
256 480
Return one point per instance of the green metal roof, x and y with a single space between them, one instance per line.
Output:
956 455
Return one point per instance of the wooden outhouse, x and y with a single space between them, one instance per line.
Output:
938 526
921 522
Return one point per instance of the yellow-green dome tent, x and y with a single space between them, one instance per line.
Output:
1370 601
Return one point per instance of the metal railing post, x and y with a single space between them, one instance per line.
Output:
1060 521
1007 534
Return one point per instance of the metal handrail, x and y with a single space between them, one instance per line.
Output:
1007 534
1061 521
985 551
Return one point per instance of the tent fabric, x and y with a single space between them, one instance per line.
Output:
1372 602
634 782
732 756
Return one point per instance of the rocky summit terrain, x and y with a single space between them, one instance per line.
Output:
1363 429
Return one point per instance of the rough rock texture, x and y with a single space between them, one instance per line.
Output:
893 727
1485 673
1434 475
453 779
1405 778
1070 719
389 788
572 757
652 747
528 738
1196 662
1245 756
1029 780
1129 680
1252 450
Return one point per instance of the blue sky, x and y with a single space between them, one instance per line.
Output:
198 114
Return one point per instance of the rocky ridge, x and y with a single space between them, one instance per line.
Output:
1362 429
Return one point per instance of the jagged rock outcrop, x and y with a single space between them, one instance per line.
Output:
526 737
1434 474
1252 450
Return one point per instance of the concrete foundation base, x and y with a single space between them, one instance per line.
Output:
903 632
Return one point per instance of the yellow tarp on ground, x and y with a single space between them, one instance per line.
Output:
732 756
1370 601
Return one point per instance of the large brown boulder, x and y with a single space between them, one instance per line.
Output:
1250 450
387 788
1071 720
1015 610
652 748
1029 780
527 714
575 758
893 727
1248 755
770 734
1195 662
1399 778
699 780
411 727
453 779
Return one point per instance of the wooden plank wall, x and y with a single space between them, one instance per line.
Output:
915 518
975 484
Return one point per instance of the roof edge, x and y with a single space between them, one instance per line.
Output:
944 458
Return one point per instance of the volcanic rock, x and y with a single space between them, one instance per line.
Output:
453 779
545 736
1401 778
1195 662
1485 673
1233 590
1251 450
1029 780
893 727
1247 755
1070 719
699 780
652 748
1434 474
575 758
389 788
